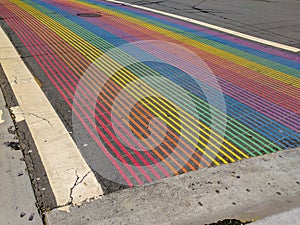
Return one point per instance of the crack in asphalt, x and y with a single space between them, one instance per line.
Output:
191 9
199 3
141 3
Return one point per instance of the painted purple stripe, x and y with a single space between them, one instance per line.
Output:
225 36
261 105
252 98
274 114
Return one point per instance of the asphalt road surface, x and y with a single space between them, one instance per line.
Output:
146 96
269 19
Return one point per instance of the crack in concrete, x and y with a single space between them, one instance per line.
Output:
16 79
76 183
37 116
16 111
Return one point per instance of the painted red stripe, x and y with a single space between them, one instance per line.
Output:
17 28
225 73
250 85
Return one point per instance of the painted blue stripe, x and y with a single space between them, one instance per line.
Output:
234 108
109 37
274 58
115 40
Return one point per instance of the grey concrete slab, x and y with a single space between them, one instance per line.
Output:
289 217
277 21
17 202
248 190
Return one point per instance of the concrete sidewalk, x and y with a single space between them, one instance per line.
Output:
289 217
17 198
249 190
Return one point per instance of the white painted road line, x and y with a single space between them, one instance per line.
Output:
225 30
60 156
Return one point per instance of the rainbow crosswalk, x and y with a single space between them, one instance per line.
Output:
159 96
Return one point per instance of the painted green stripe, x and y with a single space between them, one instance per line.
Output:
245 55
105 46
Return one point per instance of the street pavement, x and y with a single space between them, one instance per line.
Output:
113 96
272 20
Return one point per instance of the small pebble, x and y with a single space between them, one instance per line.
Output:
22 214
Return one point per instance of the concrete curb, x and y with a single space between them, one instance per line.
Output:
65 173
248 190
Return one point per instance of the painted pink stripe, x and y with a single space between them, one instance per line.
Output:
225 36
125 140
58 65
243 42
74 12
218 69
20 35
91 121
115 28
250 99
258 90
261 105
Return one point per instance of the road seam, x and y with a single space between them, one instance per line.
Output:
60 156
222 29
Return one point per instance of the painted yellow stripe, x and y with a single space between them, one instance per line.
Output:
249 37
208 134
58 50
65 34
207 48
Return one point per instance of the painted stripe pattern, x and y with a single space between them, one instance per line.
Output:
152 118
